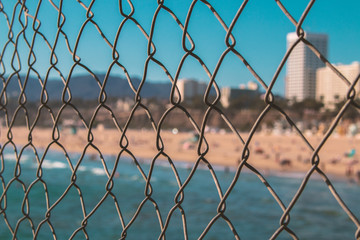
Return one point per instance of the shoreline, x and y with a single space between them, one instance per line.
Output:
184 165
268 153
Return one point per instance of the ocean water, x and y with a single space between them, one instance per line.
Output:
251 208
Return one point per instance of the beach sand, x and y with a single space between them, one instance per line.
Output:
268 153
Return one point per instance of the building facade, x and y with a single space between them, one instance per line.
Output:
190 88
331 89
229 94
300 81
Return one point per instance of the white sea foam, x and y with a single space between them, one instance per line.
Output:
297 175
134 178
98 171
82 168
12 157
9 156
53 164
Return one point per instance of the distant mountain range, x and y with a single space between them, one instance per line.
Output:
86 87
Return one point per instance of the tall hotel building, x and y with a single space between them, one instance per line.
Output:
300 82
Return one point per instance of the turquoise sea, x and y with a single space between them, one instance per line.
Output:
250 207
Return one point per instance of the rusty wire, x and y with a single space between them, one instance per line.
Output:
21 15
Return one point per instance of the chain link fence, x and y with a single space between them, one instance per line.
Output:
19 62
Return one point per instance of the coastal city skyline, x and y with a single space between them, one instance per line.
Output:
260 35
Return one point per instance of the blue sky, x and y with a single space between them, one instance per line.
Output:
260 34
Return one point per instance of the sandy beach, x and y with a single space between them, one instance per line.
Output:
282 153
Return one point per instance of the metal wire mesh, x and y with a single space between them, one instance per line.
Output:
30 25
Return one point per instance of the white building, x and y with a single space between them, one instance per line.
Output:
300 82
189 88
330 88
125 105
252 86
